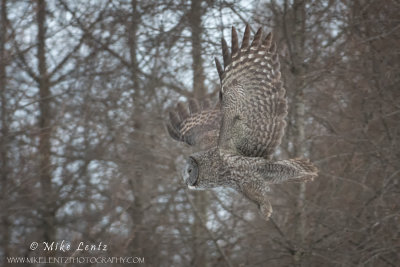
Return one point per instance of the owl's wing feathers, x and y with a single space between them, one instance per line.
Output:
253 99
197 125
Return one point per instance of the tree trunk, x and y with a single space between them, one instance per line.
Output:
48 211
199 92
5 224
295 32
136 210
299 136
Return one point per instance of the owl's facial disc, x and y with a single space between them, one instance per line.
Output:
191 172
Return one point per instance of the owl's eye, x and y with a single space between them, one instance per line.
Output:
192 171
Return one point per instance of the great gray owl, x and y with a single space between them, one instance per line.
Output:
242 131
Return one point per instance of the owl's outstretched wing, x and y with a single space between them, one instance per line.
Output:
197 125
253 100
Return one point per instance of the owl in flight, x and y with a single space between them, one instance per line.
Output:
241 132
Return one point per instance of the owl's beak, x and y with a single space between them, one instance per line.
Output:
191 173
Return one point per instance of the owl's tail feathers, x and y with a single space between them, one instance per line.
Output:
292 170
305 171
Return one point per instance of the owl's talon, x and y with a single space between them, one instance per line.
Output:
266 211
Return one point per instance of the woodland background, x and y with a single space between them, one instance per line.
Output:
85 87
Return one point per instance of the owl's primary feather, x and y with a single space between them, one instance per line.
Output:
243 130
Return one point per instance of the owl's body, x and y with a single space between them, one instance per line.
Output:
242 131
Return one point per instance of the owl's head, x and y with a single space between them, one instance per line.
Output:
201 170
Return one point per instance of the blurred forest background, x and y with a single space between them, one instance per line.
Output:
85 87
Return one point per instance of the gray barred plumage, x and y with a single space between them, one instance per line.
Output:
242 131
197 126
